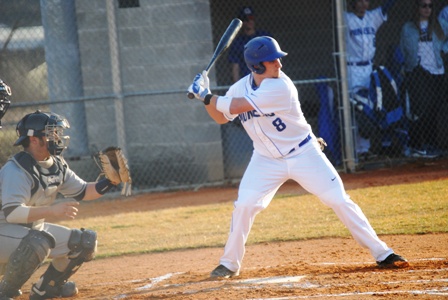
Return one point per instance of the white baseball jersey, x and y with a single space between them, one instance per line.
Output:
277 124
361 34
361 45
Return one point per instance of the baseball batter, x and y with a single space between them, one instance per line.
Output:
267 103
29 184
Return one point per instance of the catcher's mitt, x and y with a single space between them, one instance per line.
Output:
114 166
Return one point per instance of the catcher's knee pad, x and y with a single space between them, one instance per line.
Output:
82 245
26 259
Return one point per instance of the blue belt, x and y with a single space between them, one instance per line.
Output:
360 63
302 143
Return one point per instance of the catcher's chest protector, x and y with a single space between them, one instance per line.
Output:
47 178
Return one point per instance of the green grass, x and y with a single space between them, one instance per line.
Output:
399 209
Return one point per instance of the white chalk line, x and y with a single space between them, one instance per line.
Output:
307 285
268 267
289 282
441 292
156 280
272 280
153 282
370 263
293 282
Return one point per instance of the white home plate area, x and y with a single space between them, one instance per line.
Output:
309 286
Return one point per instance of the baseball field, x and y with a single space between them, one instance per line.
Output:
164 245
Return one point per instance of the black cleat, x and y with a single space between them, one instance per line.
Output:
68 289
223 272
393 261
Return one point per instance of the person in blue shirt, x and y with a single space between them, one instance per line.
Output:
236 51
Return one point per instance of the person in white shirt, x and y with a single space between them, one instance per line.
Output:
362 27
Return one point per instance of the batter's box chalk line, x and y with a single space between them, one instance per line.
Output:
441 292
372 263
294 280
272 280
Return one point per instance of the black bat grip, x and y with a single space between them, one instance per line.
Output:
190 96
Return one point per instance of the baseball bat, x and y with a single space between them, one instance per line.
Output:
224 43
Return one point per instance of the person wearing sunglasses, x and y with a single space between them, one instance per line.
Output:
422 41
362 25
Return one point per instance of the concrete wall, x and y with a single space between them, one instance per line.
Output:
161 46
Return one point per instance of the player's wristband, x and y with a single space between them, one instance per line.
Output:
103 186
223 104
207 99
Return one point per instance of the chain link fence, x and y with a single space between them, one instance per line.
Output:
118 70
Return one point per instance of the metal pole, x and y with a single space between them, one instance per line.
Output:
116 75
64 69
347 118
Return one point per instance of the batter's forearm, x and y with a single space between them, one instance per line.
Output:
215 114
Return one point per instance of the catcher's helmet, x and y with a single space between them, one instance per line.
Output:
5 92
260 49
44 124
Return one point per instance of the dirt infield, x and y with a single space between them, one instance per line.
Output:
314 269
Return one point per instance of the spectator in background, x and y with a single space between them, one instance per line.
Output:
362 26
236 51
422 41
444 13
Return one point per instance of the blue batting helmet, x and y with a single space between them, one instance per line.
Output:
260 49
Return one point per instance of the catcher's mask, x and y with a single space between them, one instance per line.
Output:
44 124
5 92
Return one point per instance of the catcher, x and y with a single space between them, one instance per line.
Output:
29 184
